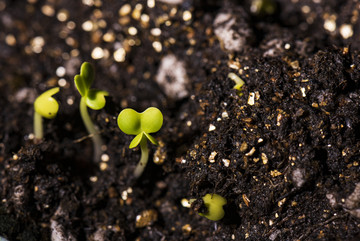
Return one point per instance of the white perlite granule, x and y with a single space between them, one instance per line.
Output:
352 202
298 177
233 38
172 77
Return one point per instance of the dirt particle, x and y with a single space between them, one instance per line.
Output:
275 173
212 127
93 179
226 162
264 158
251 152
251 99
186 229
103 166
146 218
281 202
212 157
346 31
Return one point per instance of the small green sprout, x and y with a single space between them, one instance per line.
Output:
140 124
92 98
45 106
263 7
214 205
238 82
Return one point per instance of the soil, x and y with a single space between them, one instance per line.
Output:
284 150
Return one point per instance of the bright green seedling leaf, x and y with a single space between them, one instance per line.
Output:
88 73
85 79
129 121
96 99
136 141
151 120
140 124
80 85
46 105
151 139
92 98
214 204
133 123
238 81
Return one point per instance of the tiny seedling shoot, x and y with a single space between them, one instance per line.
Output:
263 7
45 106
238 82
141 124
92 98
214 204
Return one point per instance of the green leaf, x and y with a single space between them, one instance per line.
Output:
46 105
238 87
80 85
95 99
151 120
87 72
129 122
152 139
133 123
136 141
238 81
214 204
85 79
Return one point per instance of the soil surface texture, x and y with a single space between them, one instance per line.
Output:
283 149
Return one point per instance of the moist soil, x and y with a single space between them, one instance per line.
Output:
284 150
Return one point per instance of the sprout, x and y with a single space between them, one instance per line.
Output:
45 106
92 98
141 124
263 7
238 82
214 205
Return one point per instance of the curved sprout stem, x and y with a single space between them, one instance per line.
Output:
38 126
97 142
144 158
191 200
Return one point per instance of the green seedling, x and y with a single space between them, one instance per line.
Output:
141 125
214 204
263 7
239 83
92 98
45 106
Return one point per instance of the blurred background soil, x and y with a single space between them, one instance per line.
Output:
284 151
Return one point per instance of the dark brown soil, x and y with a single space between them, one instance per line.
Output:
284 151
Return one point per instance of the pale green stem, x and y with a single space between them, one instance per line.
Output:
97 142
38 126
144 158
191 200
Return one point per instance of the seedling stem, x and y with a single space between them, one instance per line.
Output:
44 106
144 157
92 98
38 126
90 127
